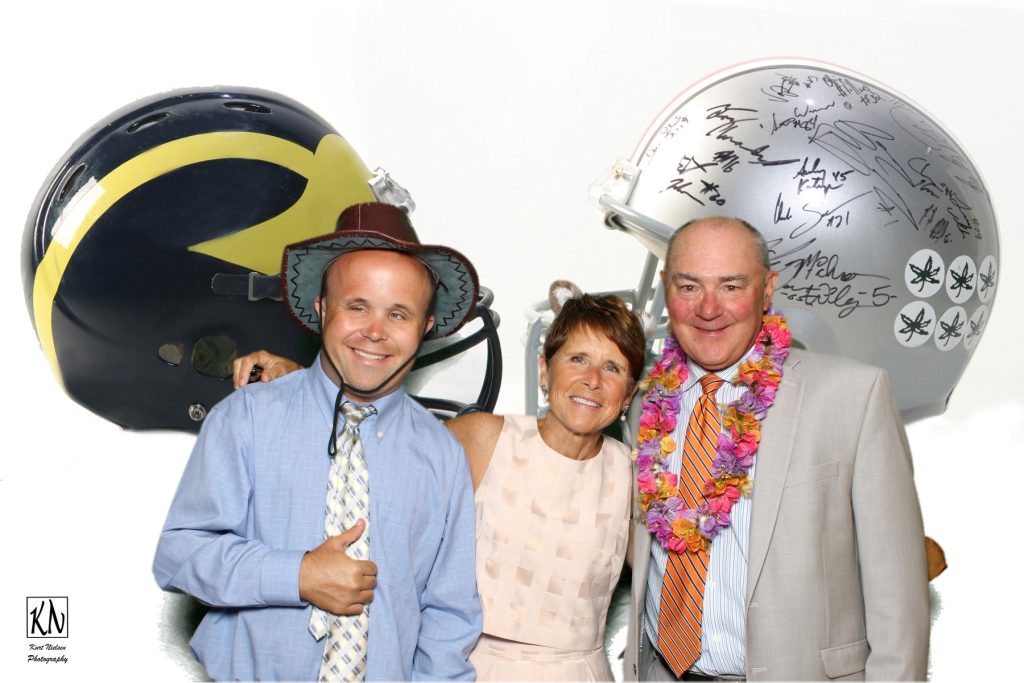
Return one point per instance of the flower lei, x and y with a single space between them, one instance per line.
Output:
692 530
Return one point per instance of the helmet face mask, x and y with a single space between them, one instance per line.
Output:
151 255
877 221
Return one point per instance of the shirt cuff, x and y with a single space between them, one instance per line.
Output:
279 580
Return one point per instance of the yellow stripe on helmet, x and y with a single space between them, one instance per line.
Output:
336 178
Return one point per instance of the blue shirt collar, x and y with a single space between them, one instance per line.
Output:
388 407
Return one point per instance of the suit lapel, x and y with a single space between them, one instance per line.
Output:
772 464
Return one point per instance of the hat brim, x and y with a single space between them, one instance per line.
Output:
304 263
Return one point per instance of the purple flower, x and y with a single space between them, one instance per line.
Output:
778 354
711 524
708 527
752 403
664 535
673 505
672 352
691 515
656 519
726 465
649 449
766 394
725 442
664 402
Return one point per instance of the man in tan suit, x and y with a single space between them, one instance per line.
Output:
821 573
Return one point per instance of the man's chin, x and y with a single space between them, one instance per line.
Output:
710 361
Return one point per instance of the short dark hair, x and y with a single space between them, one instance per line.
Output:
606 314
755 234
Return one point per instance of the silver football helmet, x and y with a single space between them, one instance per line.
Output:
877 220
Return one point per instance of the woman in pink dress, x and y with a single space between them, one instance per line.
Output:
553 502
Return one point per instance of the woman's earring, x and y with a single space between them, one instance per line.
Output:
622 415
544 391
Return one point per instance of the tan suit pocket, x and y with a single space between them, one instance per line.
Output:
845 660
802 475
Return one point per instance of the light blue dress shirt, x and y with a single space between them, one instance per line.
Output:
251 502
723 621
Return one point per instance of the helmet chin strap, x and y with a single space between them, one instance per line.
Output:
357 391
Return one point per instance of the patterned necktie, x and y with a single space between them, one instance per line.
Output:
348 500
682 592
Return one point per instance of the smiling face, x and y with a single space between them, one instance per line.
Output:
717 289
374 314
588 383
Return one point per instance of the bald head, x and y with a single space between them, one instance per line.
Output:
756 237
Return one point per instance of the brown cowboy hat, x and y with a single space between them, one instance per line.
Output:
378 226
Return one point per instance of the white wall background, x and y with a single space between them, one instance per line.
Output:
497 116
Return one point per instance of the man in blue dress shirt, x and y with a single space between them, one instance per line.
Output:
245 532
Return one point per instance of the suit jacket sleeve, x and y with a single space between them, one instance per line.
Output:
890 544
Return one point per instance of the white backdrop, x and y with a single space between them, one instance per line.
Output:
497 116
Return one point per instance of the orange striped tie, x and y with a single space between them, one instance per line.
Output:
682 592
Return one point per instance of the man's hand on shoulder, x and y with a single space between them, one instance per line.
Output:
333 581
269 366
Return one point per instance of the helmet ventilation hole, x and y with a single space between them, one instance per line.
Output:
70 182
214 355
250 107
172 353
147 121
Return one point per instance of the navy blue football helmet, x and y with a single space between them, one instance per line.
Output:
151 254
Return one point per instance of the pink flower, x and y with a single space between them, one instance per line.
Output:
726 444
676 544
659 420
725 501
779 336
746 445
746 448
766 393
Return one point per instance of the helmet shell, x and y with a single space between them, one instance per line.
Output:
141 244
